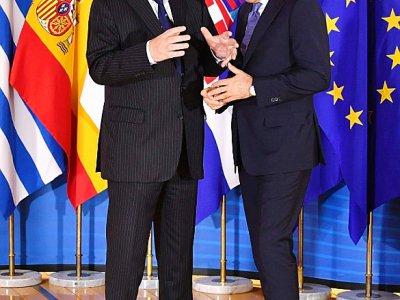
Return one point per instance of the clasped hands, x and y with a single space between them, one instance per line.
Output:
172 43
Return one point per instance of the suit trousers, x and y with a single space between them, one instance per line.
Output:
133 206
272 205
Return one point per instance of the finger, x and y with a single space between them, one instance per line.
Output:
178 46
173 54
216 106
178 39
234 70
226 35
206 33
175 31
204 93
217 91
211 103
234 54
220 83
221 97
232 43
226 61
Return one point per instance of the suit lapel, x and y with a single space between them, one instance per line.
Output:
242 22
178 8
271 11
144 11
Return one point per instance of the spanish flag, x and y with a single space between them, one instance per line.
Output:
50 73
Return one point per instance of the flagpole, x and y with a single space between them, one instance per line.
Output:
150 280
79 242
300 270
78 278
307 290
368 293
11 254
13 277
223 240
222 284
149 269
368 275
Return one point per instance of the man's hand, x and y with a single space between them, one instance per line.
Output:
213 104
169 44
228 90
223 46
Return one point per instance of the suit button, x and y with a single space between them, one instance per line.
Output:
275 99
180 117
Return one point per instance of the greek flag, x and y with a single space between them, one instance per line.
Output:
29 156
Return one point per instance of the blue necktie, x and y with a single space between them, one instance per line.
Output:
166 24
252 21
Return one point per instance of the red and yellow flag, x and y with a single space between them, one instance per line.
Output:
50 73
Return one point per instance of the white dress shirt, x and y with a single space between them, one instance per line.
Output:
154 6
263 5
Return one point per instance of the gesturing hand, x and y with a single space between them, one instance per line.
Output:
231 89
223 45
169 44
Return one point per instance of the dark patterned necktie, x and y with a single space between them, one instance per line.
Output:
252 21
166 24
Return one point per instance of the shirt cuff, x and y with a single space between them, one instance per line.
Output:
217 59
151 60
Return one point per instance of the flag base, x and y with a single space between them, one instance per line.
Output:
88 279
357 295
213 285
21 278
315 292
149 283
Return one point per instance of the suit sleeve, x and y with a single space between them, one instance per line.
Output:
108 63
310 47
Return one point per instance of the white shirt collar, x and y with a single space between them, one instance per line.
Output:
263 5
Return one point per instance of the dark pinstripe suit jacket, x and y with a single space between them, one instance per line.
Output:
147 108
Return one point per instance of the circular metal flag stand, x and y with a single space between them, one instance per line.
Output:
368 293
78 278
16 278
150 280
308 291
223 285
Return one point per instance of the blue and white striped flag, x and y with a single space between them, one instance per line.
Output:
29 156
219 174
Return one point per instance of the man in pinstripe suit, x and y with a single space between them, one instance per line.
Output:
151 56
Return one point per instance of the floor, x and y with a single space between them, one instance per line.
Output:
46 291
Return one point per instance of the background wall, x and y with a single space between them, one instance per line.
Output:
45 235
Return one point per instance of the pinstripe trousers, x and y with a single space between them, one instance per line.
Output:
133 206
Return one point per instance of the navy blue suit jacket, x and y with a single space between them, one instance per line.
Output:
288 57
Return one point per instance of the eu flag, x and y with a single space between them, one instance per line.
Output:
385 104
343 109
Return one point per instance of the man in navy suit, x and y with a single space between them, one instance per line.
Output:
283 62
